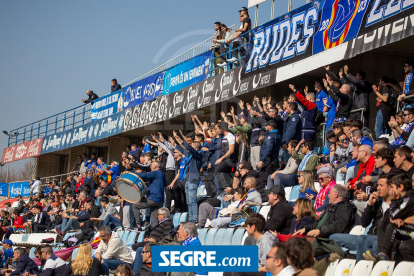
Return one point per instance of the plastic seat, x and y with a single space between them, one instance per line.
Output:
264 211
141 236
294 194
131 237
201 191
331 268
317 186
218 239
31 252
183 217
125 237
404 268
256 209
287 192
176 219
357 230
120 233
210 236
344 267
202 233
228 235
25 238
362 268
238 236
383 268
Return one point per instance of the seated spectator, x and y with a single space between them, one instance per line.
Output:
91 97
339 216
107 190
94 212
280 215
115 86
358 139
23 263
112 251
367 165
145 269
84 264
16 225
404 161
245 171
290 168
300 256
255 226
6 252
41 220
401 208
304 215
252 198
125 270
276 261
72 222
53 265
377 210
108 208
308 190
347 171
325 177
207 211
308 159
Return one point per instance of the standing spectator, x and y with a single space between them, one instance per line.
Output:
112 251
223 46
178 184
292 129
155 198
361 93
91 97
386 98
246 26
408 85
84 264
113 172
135 153
269 153
78 164
321 95
53 264
83 168
115 86
344 105
35 188
309 113
90 162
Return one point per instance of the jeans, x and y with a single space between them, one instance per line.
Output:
112 221
327 144
410 141
10 231
379 125
111 264
340 176
349 174
71 224
286 156
191 196
276 182
138 260
360 244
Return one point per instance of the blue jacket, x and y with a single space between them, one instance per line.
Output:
7 254
83 216
194 163
215 149
90 164
25 263
48 190
156 184
270 147
292 129
196 242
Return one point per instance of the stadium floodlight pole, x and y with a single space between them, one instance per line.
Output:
8 164
272 12
256 16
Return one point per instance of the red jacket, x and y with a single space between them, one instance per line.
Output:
18 223
365 168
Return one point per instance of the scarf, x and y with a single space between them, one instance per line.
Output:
408 80
189 240
305 159
320 198
400 140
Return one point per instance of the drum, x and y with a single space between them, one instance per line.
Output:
131 187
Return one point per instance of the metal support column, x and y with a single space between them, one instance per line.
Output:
256 16
272 12
290 5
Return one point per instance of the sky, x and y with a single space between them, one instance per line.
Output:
52 51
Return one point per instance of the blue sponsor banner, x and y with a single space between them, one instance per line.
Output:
231 258
19 188
143 90
86 133
187 73
4 189
106 105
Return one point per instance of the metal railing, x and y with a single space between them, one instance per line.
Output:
398 102
57 123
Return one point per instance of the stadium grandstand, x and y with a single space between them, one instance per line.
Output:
295 136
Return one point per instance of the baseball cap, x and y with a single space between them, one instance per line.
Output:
277 190
244 9
9 242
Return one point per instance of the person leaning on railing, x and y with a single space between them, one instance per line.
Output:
91 97
224 47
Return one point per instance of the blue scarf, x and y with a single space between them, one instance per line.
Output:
400 140
305 160
189 240
408 80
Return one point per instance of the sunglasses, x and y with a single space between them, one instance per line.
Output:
270 257
146 251
344 140
321 178
406 114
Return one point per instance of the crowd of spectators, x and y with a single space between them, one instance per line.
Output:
246 159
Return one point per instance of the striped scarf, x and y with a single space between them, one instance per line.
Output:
305 160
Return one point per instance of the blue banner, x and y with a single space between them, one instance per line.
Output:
86 133
143 90
19 188
106 105
4 189
223 258
187 73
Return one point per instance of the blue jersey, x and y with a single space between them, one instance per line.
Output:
183 164
147 148
103 167
320 97
331 104
115 172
